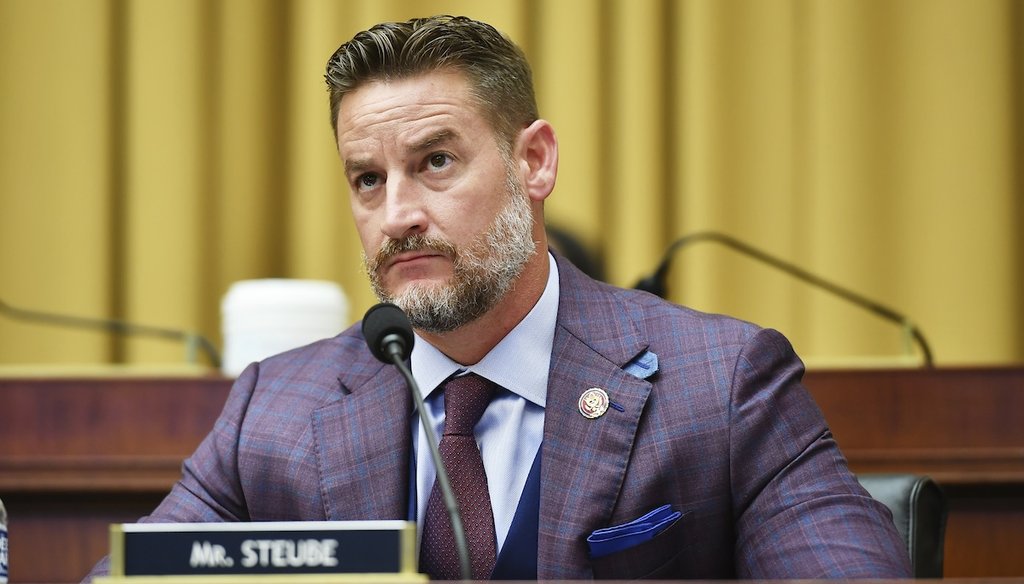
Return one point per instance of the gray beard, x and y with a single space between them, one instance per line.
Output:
484 271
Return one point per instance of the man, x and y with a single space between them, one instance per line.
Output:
608 405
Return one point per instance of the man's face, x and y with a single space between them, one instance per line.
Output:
445 225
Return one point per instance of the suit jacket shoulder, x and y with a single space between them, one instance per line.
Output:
297 431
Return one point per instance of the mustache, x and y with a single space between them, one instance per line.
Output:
392 247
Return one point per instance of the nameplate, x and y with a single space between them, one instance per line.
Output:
276 548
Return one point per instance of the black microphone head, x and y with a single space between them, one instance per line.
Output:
385 324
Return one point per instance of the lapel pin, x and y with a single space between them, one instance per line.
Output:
593 403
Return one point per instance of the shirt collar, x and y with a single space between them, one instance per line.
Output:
530 342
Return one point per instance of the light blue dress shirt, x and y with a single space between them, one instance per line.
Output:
512 427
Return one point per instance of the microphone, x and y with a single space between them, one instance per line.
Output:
655 283
388 334
193 341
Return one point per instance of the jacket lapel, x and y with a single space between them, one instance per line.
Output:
585 460
362 447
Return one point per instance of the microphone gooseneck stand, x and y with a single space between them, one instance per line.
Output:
194 342
389 336
655 283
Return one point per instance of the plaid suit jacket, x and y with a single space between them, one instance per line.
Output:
723 431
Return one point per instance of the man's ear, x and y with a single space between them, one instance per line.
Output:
537 154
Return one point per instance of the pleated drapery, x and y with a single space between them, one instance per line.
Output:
152 152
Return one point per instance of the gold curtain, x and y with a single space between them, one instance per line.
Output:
152 152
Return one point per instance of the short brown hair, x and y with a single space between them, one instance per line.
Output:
499 74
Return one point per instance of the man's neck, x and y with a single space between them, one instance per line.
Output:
469 344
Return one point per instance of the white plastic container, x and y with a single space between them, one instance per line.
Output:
260 318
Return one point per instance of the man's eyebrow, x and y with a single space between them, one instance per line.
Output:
356 166
433 140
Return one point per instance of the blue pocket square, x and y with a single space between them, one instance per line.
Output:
609 540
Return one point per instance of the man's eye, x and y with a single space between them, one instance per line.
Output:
367 181
439 160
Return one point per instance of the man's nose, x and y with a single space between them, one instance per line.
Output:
404 214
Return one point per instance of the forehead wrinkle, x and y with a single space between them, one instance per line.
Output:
375 113
381 116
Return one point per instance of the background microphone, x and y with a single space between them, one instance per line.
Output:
194 342
655 283
388 334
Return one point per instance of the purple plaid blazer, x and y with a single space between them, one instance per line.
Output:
723 432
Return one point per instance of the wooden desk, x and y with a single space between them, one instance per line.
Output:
79 453
963 427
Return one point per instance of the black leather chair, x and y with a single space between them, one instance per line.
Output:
919 512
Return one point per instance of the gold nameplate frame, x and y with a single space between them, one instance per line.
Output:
381 551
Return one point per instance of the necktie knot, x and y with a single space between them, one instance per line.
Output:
465 399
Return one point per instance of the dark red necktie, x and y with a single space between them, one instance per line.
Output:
465 399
